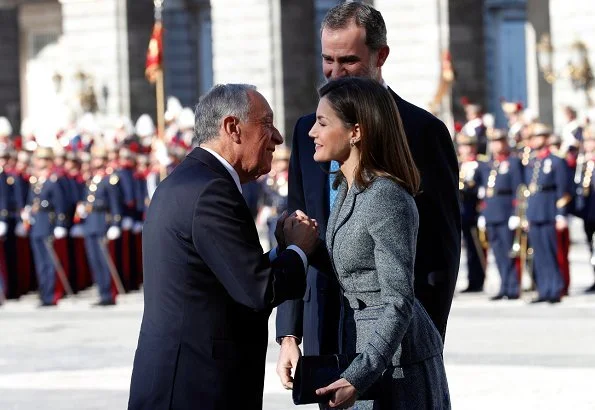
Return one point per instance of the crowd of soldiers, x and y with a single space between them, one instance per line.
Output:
518 187
72 203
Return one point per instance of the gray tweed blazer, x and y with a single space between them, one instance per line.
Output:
371 238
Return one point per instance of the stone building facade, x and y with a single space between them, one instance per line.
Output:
55 51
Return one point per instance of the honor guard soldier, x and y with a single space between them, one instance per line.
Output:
45 214
101 212
125 172
475 126
585 192
563 235
500 178
7 224
548 199
275 190
468 189
25 268
514 115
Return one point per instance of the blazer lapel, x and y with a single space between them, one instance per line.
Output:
346 198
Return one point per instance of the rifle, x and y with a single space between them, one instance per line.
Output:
112 267
49 246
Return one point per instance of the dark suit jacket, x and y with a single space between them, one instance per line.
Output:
208 290
438 241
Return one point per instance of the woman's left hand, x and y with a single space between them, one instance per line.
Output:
343 394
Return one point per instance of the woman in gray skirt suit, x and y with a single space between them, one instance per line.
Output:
371 238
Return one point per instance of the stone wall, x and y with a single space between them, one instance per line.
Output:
468 53
10 98
414 37
568 24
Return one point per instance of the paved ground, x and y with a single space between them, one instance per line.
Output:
498 354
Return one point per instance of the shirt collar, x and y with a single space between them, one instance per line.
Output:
228 167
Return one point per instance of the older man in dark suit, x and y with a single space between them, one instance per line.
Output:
354 44
209 289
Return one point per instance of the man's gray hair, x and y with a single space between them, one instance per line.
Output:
364 16
221 101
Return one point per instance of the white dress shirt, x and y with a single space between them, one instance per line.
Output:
236 179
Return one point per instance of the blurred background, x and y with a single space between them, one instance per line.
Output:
74 72
63 58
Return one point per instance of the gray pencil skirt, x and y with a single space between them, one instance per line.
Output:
424 387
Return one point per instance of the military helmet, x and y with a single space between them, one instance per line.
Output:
44 153
496 135
464 139
540 130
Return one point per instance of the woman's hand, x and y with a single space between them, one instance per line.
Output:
343 394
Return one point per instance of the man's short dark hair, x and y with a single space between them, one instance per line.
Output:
364 16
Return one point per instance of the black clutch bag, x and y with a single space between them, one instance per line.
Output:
314 372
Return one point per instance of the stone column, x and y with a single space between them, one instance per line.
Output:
540 93
414 36
467 46
95 42
246 39
10 98
300 62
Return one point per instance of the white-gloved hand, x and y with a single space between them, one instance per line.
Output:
60 232
127 223
481 222
113 233
513 222
3 229
81 211
20 230
26 213
138 227
77 231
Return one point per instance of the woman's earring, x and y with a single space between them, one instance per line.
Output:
352 143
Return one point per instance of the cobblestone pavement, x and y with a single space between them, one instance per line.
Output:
498 354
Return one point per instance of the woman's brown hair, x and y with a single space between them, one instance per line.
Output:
384 150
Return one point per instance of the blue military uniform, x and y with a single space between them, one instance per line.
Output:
585 204
48 211
499 178
103 209
7 272
547 181
129 215
469 204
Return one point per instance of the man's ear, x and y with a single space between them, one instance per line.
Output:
382 55
231 125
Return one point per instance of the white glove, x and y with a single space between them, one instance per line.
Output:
127 223
20 230
77 231
138 227
481 222
3 229
513 222
26 213
60 232
81 211
113 233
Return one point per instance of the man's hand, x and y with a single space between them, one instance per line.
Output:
301 231
561 223
279 235
288 358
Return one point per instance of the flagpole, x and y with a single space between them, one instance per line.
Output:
159 83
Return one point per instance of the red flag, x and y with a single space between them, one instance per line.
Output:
154 53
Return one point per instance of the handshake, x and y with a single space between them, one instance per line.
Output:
297 229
